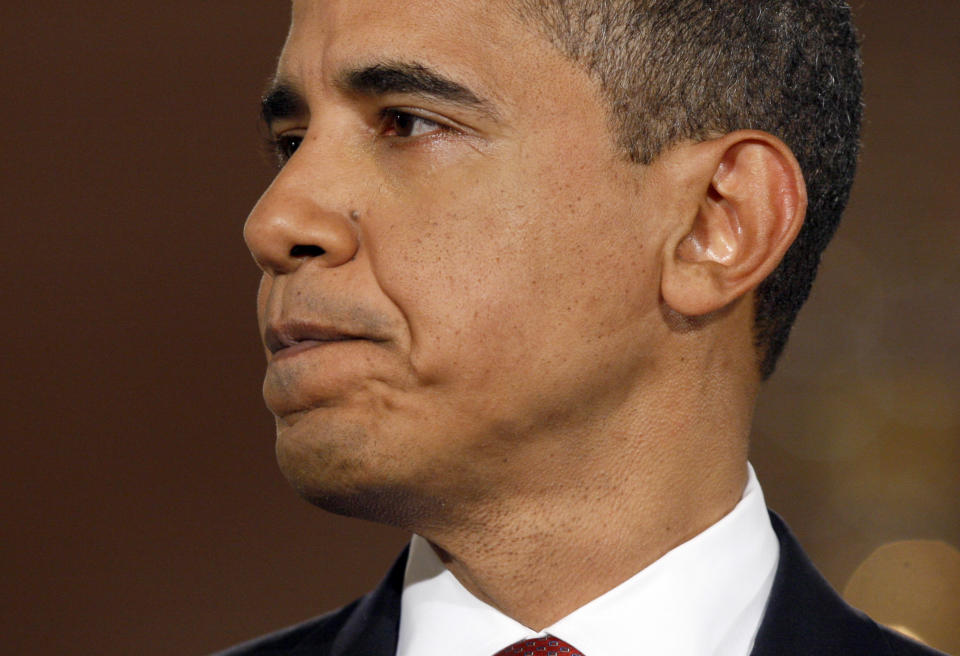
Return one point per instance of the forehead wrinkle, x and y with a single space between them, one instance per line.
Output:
300 66
328 39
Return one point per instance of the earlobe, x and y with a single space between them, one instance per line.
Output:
750 209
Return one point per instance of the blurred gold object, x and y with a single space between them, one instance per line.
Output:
899 628
912 586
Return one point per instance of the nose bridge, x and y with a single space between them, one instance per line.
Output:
305 214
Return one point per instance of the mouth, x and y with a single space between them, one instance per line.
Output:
289 338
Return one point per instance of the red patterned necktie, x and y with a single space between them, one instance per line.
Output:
545 646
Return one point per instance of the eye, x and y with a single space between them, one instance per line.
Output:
286 145
397 123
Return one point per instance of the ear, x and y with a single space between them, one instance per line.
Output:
750 206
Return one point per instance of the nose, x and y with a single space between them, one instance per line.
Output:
301 218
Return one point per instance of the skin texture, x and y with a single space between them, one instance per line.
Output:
550 373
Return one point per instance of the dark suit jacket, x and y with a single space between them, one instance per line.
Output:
804 617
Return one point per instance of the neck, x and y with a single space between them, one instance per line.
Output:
554 547
586 510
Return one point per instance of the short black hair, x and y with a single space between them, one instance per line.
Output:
677 70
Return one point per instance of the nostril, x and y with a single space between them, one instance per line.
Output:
306 250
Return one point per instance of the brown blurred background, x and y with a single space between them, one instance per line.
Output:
142 512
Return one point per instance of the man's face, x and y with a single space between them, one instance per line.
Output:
460 269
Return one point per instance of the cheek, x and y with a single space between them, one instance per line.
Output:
500 282
453 282
519 265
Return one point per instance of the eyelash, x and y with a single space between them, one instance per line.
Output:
284 146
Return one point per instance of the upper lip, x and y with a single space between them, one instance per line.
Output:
285 334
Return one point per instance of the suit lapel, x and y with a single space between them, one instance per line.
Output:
804 616
369 629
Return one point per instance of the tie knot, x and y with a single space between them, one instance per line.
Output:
545 646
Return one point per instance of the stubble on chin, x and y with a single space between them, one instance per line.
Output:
334 464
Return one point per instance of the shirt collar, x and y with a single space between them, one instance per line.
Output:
705 596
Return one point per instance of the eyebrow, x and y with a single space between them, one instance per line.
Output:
284 100
408 77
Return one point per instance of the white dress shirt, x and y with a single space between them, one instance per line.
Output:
704 597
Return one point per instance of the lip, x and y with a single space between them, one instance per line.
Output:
305 345
292 337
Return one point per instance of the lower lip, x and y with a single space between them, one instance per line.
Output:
306 345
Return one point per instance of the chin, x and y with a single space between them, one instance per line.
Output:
332 466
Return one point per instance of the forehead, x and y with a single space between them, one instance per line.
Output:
481 41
